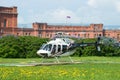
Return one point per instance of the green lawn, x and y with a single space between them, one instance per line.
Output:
92 68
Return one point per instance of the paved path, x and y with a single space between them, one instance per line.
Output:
60 63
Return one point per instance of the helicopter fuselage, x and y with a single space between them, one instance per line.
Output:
56 47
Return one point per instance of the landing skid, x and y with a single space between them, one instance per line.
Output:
57 60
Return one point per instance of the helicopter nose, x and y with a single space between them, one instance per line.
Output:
42 52
38 52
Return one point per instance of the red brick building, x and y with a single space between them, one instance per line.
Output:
8 26
48 31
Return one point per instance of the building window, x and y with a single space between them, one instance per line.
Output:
118 36
78 35
29 34
50 35
88 35
84 35
17 34
5 21
99 34
105 35
95 35
40 34
75 34
47 35
40 27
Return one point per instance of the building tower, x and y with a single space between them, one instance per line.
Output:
8 18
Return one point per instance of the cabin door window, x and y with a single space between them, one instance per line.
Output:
54 49
59 48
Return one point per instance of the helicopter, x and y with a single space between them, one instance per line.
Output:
63 45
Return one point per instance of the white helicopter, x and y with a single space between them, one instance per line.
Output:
61 45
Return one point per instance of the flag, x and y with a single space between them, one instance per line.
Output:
68 17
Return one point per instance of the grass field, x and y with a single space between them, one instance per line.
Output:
92 68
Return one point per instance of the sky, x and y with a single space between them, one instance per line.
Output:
106 12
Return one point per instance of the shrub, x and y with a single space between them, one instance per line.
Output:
20 47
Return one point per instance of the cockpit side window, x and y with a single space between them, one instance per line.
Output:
47 47
64 48
42 46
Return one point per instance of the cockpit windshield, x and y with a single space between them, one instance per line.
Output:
46 47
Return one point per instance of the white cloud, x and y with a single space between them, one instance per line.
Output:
103 11
117 4
102 4
90 15
92 3
59 16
